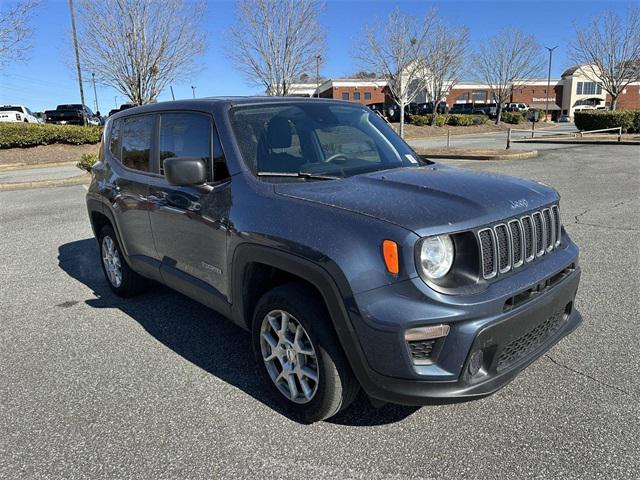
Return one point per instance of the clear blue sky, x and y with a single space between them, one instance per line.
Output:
47 79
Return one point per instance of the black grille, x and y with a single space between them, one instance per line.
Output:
530 341
550 228
488 257
504 256
555 213
516 242
537 221
508 245
421 349
529 238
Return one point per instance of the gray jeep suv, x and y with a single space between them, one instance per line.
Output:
353 262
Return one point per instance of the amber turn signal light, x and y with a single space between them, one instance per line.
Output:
390 253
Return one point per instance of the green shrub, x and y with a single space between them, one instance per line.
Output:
421 120
87 161
480 119
635 125
32 134
512 117
600 119
460 120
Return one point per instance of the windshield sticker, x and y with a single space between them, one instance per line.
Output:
411 158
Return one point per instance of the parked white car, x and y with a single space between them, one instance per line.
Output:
516 107
16 113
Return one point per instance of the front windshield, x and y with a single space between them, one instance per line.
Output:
324 139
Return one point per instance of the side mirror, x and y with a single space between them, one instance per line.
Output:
185 171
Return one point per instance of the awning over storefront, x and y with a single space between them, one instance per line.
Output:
543 106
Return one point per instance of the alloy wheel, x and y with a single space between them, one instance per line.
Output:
289 356
111 261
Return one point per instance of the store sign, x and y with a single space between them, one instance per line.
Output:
534 99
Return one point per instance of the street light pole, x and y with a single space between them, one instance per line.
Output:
546 109
95 94
193 90
75 47
318 58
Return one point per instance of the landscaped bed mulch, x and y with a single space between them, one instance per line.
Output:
476 153
413 132
45 154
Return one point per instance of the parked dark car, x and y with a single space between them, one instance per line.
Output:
72 114
427 108
489 109
353 262
391 111
122 107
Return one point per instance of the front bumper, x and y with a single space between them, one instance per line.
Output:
509 341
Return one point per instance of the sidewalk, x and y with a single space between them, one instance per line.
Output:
45 176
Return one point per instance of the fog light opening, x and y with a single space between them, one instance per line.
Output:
475 362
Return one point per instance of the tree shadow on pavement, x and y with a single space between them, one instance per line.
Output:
199 334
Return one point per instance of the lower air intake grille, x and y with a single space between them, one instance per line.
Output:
530 341
421 349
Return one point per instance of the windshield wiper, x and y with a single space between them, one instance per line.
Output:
307 175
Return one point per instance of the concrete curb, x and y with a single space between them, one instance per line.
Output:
504 156
82 179
27 166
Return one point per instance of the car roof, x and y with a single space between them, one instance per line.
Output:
209 102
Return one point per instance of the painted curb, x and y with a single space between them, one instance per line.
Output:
56 182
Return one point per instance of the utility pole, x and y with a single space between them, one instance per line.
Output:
95 94
193 90
318 58
546 110
75 46
172 95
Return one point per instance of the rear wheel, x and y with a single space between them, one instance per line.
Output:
299 356
120 277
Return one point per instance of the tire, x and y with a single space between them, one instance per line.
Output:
335 386
126 283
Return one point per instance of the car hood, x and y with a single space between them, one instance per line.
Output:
427 200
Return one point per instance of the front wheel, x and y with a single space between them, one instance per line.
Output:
299 355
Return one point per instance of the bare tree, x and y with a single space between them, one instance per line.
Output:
445 62
274 42
608 49
15 32
396 48
140 46
505 62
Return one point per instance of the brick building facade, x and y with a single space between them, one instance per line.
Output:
574 91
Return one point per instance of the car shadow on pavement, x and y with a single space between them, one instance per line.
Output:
199 334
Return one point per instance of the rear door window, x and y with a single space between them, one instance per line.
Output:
137 139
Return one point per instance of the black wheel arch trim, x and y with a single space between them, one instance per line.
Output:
339 301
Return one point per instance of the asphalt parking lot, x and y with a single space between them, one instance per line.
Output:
92 386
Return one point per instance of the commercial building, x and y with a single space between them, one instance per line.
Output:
574 91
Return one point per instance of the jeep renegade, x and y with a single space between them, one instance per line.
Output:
352 261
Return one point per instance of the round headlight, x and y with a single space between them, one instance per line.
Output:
436 256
